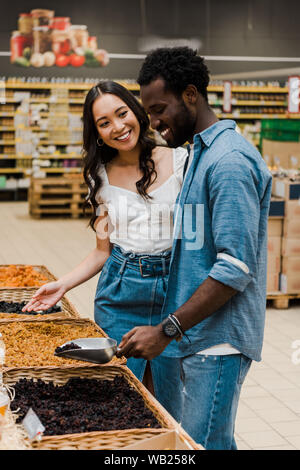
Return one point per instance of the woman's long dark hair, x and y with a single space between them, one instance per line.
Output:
94 155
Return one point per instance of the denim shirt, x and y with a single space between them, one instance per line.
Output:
221 232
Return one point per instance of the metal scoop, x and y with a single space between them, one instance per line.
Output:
98 350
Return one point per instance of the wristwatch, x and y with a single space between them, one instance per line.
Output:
170 328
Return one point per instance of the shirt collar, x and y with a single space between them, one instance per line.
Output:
207 136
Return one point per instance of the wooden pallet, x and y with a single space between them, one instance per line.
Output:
280 300
57 196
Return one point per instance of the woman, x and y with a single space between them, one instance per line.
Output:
133 185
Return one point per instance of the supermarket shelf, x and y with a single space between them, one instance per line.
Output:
259 116
60 157
62 170
69 86
260 89
15 157
47 114
46 170
13 170
49 128
258 103
57 142
71 156
7 142
58 100
7 128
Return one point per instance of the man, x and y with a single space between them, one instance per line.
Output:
215 302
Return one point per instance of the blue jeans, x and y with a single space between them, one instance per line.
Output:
212 386
130 292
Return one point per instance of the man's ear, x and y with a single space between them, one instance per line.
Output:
190 95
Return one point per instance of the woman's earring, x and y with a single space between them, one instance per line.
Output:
100 144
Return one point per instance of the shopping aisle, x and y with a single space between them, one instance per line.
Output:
269 411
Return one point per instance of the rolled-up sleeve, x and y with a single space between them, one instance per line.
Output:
234 204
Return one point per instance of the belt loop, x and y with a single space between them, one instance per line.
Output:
123 266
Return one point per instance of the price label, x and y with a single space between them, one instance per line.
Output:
33 425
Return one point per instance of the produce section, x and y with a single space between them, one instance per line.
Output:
43 40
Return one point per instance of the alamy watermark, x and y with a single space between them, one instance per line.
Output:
296 353
152 222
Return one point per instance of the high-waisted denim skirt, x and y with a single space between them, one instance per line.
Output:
130 293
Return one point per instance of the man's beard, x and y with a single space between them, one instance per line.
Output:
183 128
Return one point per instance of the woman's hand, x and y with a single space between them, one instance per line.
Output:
45 297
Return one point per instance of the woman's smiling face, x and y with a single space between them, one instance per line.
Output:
116 123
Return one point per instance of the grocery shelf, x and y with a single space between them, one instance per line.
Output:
70 86
60 157
257 103
15 157
57 142
13 170
68 99
262 89
258 116
62 170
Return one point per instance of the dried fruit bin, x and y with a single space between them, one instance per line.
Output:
31 343
114 439
20 295
19 276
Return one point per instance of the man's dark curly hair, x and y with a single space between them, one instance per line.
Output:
178 66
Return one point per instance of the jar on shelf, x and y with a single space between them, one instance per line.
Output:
25 23
41 39
79 36
61 41
41 17
17 44
92 43
60 22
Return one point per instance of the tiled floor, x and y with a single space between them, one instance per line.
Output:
269 409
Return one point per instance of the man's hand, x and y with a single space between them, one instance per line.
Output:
145 342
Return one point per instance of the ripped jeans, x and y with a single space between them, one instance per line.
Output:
212 386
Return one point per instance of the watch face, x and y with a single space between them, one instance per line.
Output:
169 328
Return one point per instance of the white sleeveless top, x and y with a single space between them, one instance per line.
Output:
138 225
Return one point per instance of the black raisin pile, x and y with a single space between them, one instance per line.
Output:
83 405
67 347
16 307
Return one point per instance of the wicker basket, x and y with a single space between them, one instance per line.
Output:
20 295
102 439
65 363
39 268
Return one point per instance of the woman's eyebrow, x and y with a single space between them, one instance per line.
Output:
116 111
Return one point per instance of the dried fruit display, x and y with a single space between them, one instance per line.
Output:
21 276
67 347
30 344
83 405
16 307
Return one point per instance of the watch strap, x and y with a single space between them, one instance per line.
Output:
177 323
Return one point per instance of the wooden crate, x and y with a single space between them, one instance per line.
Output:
281 301
18 295
97 440
57 196
40 270
30 344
